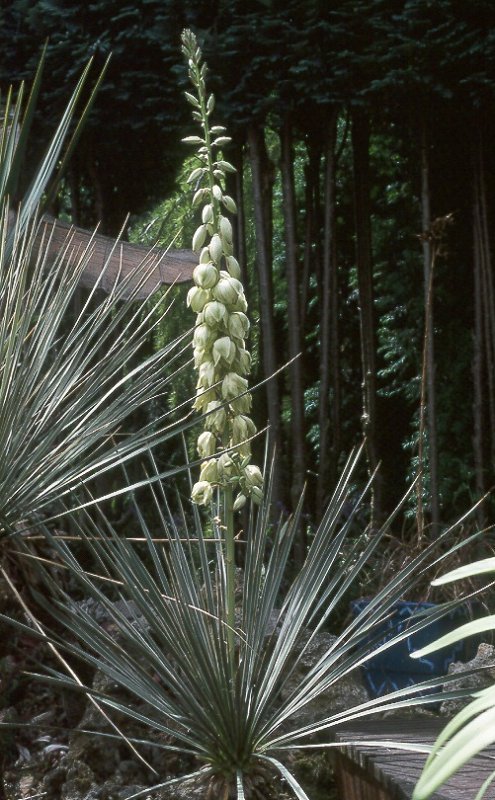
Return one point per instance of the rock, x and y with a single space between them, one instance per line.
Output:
79 779
185 790
484 658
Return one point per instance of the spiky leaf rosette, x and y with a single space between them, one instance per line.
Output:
217 297
69 383
172 653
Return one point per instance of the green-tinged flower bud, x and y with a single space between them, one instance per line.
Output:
197 298
195 174
233 281
210 105
238 325
225 291
226 467
191 99
224 350
207 213
206 374
252 429
253 476
220 141
199 356
226 165
203 398
202 493
199 238
227 246
243 361
216 418
209 471
241 405
239 502
233 385
215 248
229 204
215 313
205 275
200 195
217 192
193 139
240 304
204 256
203 336
233 267
240 430
207 444
216 129
256 495
225 228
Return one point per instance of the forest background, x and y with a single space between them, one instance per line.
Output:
362 135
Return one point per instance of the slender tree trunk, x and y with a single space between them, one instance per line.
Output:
262 178
360 149
428 382
298 433
312 250
329 401
484 331
239 219
488 300
478 342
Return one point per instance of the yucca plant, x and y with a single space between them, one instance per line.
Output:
172 651
66 387
473 728
209 668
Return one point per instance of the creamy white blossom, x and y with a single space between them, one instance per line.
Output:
215 313
207 444
224 350
217 298
202 493
206 275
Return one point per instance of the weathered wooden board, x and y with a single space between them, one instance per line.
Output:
109 264
369 772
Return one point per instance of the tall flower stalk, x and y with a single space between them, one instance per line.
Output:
220 355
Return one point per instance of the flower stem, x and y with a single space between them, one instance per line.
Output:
230 572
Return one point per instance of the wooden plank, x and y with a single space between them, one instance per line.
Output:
371 772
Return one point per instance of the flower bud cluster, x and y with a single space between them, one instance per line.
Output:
217 298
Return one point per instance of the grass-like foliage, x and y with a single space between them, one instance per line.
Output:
173 650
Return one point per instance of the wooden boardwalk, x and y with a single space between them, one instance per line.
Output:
366 772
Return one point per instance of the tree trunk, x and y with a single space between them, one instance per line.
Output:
360 150
297 425
484 331
312 248
262 179
428 395
239 219
478 342
488 300
329 401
